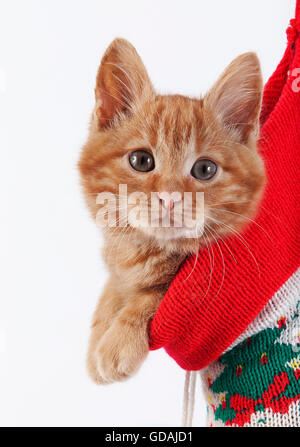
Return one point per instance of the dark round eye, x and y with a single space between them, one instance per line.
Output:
204 169
141 161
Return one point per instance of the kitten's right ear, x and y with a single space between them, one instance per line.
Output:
122 81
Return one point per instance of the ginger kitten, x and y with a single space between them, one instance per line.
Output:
156 144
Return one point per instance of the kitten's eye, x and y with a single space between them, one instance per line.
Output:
141 161
204 169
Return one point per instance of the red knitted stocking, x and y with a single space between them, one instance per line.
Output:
198 319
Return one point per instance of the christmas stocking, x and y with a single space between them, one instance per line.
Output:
255 284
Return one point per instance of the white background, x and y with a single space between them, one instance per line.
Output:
51 270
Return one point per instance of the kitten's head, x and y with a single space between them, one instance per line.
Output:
174 144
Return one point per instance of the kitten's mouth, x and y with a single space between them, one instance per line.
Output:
166 221
176 233
170 233
168 226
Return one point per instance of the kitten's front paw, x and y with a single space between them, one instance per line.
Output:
92 370
120 353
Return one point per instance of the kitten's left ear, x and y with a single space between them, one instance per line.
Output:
122 81
236 97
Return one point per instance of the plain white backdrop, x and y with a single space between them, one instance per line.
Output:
51 270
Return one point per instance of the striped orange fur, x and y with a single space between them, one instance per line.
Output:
176 130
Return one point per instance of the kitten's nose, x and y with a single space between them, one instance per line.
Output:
168 199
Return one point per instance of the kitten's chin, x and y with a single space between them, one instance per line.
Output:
172 234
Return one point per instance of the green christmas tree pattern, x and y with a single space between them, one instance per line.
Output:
260 373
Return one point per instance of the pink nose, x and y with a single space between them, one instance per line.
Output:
168 200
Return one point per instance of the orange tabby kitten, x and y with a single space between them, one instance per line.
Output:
156 144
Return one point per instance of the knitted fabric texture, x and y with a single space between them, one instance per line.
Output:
257 382
205 311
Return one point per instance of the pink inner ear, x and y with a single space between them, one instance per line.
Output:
108 107
108 96
121 80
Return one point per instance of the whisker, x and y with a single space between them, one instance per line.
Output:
244 217
211 262
242 240
195 263
225 243
223 261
